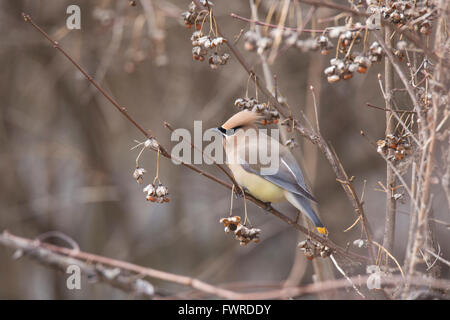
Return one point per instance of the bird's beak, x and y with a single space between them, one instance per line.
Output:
218 130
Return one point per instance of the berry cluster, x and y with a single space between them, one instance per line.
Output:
157 193
251 104
290 37
242 233
202 44
348 36
194 16
216 60
399 144
408 12
313 249
344 68
254 42
205 46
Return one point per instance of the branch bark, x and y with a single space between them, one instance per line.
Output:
91 264
60 257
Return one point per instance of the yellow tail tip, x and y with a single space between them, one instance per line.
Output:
322 230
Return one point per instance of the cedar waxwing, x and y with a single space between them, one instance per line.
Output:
286 182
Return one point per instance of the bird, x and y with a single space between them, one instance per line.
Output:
242 138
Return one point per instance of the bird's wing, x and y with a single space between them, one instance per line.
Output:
289 175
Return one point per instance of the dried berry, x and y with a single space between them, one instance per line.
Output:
291 143
333 78
325 44
375 52
250 38
263 44
231 223
138 174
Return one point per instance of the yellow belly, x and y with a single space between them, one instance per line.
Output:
258 187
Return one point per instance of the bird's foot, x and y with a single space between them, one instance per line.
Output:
239 192
268 206
298 217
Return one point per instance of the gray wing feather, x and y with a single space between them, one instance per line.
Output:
289 175
285 179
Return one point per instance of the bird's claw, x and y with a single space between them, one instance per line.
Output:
268 206
239 192
298 217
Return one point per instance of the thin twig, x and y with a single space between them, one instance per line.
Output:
260 23
438 257
346 277
400 73
388 110
120 108
391 203
391 256
315 109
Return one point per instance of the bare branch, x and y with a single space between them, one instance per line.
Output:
391 203
61 257
260 23
95 265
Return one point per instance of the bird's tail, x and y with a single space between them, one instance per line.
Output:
303 204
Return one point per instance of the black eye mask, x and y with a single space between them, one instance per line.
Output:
230 131
221 129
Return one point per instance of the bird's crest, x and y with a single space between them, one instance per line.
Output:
242 119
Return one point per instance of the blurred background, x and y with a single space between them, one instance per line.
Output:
66 163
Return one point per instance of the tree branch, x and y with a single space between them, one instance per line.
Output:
94 265
389 226
260 23
60 258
